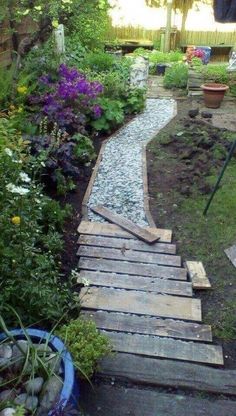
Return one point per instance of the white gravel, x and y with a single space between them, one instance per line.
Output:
119 182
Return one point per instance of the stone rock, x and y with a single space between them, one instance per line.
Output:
53 362
7 395
21 399
206 114
5 354
44 348
49 395
139 72
31 403
19 351
34 386
193 112
8 411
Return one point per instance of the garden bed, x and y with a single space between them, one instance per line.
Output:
183 163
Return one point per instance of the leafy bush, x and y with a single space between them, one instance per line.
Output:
6 85
158 57
85 344
112 114
215 73
135 100
84 148
70 101
99 62
176 76
30 243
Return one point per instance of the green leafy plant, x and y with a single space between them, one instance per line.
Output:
99 61
84 149
6 85
135 100
176 76
112 114
85 344
215 73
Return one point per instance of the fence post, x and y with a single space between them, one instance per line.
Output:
59 40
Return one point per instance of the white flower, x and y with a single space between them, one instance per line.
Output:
24 177
8 152
17 189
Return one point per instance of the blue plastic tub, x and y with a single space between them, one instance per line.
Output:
207 51
70 391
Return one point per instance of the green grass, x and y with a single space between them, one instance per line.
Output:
204 238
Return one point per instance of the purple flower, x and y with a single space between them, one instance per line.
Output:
97 111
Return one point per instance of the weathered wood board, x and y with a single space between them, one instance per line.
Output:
169 373
231 254
116 266
147 325
109 400
166 348
127 244
198 275
141 303
129 255
125 281
112 230
125 224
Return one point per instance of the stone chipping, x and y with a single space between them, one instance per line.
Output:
119 182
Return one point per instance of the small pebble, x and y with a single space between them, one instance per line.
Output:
34 386
6 395
8 411
21 399
31 403
5 354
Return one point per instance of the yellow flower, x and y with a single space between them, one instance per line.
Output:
16 220
22 90
12 107
20 110
55 24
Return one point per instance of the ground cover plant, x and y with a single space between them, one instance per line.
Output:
184 161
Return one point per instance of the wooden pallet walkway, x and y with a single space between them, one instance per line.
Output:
140 297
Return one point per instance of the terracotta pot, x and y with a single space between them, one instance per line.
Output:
213 94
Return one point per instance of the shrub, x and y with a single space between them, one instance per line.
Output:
158 57
70 101
176 76
30 243
85 344
112 114
215 73
99 62
135 100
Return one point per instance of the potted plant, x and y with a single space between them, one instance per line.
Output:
213 94
42 371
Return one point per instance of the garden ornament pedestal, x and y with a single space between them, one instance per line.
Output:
213 94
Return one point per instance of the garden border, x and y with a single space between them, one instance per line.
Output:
144 173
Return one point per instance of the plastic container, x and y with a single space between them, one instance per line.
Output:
207 51
161 69
70 390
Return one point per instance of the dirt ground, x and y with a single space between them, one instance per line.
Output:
183 163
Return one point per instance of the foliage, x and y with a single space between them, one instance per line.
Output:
85 344
215 73
99 61
30 243
112 114
135 100
84 149
70 100
6 85
158 57
176 76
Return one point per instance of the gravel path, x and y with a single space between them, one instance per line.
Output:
119 182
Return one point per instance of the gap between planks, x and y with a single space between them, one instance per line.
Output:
137 269
147 325
124 281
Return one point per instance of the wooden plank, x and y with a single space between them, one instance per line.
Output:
166 348
125 224
123 243
231 254
145 188
169 373
147 284
141 303
110 400
112 230
198 275
146 325
129 255
116 266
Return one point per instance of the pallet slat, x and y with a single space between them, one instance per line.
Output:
120 401
120 322
116 266
125 224
111 230
91 240
198 275
129 255
169 373
147 284
141 303
166 348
